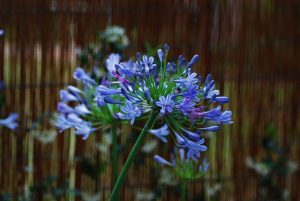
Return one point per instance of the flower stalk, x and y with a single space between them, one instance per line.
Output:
183 191
132 154
115 157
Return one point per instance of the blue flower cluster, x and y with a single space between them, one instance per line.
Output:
184 167
79 109
180 98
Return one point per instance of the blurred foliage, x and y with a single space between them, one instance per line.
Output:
274 166
91 168
112 40
49 188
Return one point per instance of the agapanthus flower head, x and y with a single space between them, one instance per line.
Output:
161 133
88 111
171 90
10 121
184 167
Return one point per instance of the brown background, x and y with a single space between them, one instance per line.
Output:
252 48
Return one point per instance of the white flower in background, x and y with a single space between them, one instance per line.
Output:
149 146
115 34
260 168
292 166
28 169
167 178
104 146
1 32
90 197
144 196
44 136
213 190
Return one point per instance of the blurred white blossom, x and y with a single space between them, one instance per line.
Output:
86 196
44 136
167 178
260 168
144 196
106 142
149 146
213 190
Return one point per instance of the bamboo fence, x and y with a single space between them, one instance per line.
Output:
251 47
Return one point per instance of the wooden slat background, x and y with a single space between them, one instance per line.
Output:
252 47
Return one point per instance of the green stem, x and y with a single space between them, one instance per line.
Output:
114 157
183 191
132 154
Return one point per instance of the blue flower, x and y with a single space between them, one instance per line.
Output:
218 116
171 67
162 161
194 147
189 80
81 109
204 166
63 122
160 54
171 89
84 129
226 117
2 85
210 128
74 90
147 64
184 167
10 121
127 94
219 99
161 133
105 91
208 89
191 92
65 96
192 135
166 103
64 108
99 100
111 62
186 106
181 61
82 76
128 69
193 61
129 112
1 32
